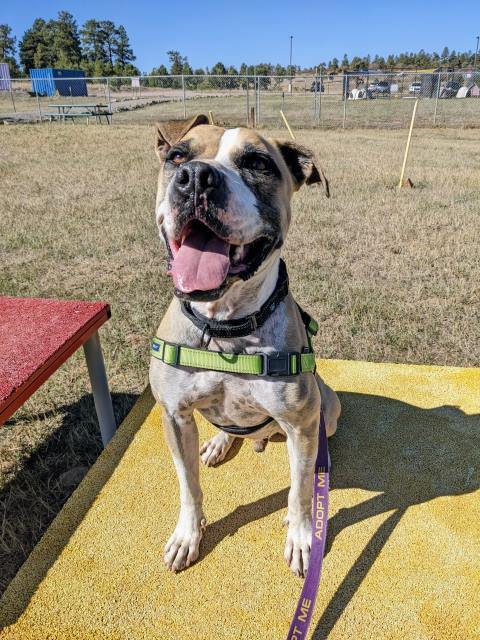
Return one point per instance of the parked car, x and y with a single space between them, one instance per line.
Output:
381 87
450 90
317 85
415 87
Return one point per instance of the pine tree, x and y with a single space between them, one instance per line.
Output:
187 69
218 69
30 42
8 49
159 71
108 32
121 48
92 41
7 42
176 62
66 41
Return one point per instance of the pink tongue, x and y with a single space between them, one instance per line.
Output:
202 262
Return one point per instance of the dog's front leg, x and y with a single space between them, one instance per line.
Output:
182 437
302 443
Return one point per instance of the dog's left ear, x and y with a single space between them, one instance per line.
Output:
302 165
170 132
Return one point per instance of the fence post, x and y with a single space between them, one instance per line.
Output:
439 81
38 104
254 95
109 97
13 101
183 97
247 87
345 83
320 97
257 110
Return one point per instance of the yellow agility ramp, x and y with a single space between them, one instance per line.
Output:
403 547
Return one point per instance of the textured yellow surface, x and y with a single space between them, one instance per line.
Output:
403 557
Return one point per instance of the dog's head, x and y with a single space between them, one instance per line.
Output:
223 201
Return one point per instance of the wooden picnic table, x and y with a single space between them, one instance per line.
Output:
72 110
37 335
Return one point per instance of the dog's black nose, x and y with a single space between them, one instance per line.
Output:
198 177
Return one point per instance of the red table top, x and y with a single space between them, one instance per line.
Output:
36 336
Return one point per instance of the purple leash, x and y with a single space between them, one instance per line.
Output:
303 613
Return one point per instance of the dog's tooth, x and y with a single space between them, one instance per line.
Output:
238 254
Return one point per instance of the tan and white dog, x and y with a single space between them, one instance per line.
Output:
223 210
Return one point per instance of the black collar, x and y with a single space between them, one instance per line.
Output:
240 327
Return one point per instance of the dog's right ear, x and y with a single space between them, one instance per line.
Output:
170 132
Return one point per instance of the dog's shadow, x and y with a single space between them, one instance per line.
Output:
405 454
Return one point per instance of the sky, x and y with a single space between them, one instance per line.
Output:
208 31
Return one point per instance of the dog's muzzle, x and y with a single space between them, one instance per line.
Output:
200 181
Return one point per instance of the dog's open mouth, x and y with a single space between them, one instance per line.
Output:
202 260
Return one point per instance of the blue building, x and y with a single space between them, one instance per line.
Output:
68 82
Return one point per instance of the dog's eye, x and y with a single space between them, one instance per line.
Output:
255 163
176 157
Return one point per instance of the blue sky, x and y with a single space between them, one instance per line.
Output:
234 32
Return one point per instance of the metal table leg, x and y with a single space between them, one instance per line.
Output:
101 392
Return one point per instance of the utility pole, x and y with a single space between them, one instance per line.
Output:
290 65
476 52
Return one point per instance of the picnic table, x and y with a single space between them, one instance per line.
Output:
37 335
80 110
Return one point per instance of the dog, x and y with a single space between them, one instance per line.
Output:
223 211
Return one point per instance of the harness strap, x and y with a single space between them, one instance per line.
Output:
242 431
240 327
306 602
282 363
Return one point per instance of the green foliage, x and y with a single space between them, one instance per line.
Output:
7 42
100 47
176 62
8 49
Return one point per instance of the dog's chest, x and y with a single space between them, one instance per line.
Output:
228 399
221 398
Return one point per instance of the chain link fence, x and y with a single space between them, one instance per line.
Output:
349 100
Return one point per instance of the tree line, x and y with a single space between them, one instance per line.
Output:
403 61
179 65
99 47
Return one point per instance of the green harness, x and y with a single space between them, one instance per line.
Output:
277 364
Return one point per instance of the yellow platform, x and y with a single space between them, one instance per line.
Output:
403 557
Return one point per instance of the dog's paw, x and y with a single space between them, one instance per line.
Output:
183 546
259 446
214 450
297 546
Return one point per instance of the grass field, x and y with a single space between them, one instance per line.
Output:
390 275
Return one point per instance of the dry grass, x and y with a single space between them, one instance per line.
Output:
391 276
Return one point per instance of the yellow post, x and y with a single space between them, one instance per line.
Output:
407 148
287 125
210 117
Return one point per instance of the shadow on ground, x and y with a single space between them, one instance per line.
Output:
407 455
30 501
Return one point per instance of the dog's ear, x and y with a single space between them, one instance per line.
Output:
302 165
170 132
